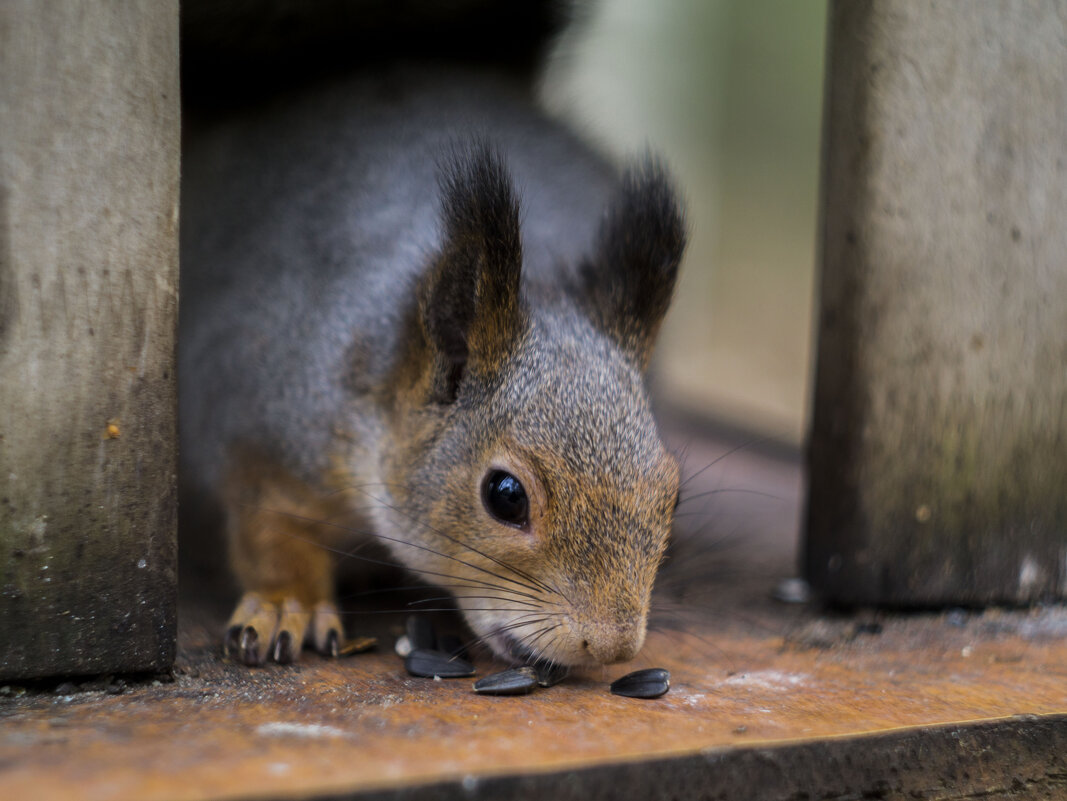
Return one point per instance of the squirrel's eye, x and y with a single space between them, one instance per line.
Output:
505 498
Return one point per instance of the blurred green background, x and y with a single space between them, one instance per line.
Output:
730 91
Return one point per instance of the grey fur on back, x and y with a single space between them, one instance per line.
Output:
305 226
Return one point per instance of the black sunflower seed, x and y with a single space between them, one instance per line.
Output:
551 674
429 664
650 683
516 681
420 632
451 645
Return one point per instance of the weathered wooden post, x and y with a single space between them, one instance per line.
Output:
88 299
938 454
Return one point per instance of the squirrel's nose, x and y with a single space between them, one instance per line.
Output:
610 644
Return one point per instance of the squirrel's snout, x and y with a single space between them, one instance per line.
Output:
607 645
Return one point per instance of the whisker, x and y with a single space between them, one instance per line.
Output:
475 583
514 624
423 588
522 620
531 639
681 453
473 598
686 634
561 594
747 443
535 582
385 538
721 490
370 560
406 588
408 611
527 640
432 529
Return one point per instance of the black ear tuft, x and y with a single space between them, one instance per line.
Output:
630 279
469 300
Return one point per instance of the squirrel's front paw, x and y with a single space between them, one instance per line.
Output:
261 630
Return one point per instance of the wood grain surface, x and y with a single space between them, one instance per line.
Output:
770 699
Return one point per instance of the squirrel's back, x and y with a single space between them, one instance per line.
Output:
305 226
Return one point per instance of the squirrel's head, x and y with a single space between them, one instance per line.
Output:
525 467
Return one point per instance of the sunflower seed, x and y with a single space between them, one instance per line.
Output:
434 664
650 683
517 681
451 645
551 674
420 632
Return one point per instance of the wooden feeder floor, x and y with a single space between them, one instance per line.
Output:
767 700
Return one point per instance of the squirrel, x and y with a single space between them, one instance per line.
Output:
416 308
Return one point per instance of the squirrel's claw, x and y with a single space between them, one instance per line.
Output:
261 631
327 633
251 630
292 627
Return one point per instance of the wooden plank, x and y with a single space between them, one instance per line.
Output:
361 726
768 701
938 453
88 302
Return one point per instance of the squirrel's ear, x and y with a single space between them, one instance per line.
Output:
469 301
630 279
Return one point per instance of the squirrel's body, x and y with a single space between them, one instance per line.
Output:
356 353
325 212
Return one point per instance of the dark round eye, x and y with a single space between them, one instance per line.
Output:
505 498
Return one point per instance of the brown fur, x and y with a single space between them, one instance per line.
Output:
280 532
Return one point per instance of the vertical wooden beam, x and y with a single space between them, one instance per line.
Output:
88 302
938 456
